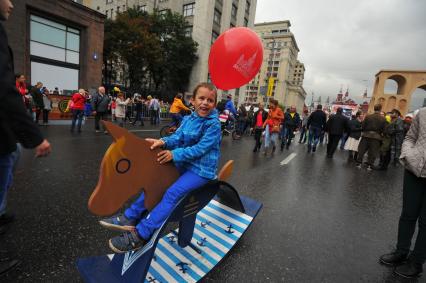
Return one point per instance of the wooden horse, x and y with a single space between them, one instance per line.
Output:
129 166
211 218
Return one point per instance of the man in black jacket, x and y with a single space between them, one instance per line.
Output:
316 124
337 124
100 103
290 124
15 124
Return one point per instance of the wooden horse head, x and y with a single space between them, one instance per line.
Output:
129 166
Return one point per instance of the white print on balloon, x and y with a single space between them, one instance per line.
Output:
244 67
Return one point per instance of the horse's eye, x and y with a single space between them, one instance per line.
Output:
122 165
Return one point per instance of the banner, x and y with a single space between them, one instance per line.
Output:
270 86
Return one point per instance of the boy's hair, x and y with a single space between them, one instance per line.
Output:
377 107
209 86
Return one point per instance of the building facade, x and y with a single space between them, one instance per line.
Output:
58 43
206 19
281 74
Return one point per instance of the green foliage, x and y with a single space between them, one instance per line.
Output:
154 47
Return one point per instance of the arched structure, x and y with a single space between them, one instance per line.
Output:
407 81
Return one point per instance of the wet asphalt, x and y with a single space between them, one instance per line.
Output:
323 220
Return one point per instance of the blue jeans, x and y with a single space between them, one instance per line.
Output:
77 115
187 182
7 164
314 134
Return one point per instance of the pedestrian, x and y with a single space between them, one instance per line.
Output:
354 136
154 109
290 124
78 100
371 137
259 119
15 126
413 154
241 120
303 127
396 135
229 105
138 102
385 147
100 103
274 120
88 106
316 125
113 106
36 94
176 110
47 106
120 111
197 159
336 126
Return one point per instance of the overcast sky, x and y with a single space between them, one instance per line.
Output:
347 42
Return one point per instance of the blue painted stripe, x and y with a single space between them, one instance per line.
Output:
218 228
209 245
215 237
189 256
156 274
169 270
225 222
173 258
230 214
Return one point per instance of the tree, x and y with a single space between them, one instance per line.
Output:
158 54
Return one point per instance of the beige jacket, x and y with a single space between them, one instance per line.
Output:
413 152
120 108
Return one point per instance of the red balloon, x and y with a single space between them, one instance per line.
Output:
235 58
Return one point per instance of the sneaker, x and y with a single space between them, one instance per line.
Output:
409 270
359 165
273 149
97 131
8 264
314 148
118 222
7 218
128 241
393 259
369 168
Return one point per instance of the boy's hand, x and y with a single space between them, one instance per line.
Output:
164 156
155 143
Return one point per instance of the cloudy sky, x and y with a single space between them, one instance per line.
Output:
348 42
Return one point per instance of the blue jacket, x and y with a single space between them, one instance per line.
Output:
196 144
230 106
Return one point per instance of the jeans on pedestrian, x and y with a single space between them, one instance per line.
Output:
370 145
138 117
77 115
333 141
314 135
45 116
288 134
343 140
100 116
413 211
303 135
7 165
187 182
154 116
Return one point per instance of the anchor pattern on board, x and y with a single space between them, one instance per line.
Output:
182 266
152 280
204 224
202 243
171 239
230 231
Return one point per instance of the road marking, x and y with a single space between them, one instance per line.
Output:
288 159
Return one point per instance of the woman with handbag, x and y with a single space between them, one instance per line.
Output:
275 117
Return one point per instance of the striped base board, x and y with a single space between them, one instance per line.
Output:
217 230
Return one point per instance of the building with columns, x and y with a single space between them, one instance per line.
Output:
280 68
207 19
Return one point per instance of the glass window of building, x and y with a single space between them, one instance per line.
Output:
143 8
188 31
217 16
245 22
215 35
54 53
247 7
188 9
234 11
163 12
109 1
118 9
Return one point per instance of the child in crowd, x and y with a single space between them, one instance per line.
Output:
194 148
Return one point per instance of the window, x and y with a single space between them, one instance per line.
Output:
118 10
217 16
188 10
231 25
98 8
143 8
112 13
215 35
188 31
106 13
124 8
245 22
108 1
247 7
163 12
234 11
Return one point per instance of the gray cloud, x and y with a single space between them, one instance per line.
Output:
347 42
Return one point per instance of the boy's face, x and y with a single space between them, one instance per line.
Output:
204 101
6 7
